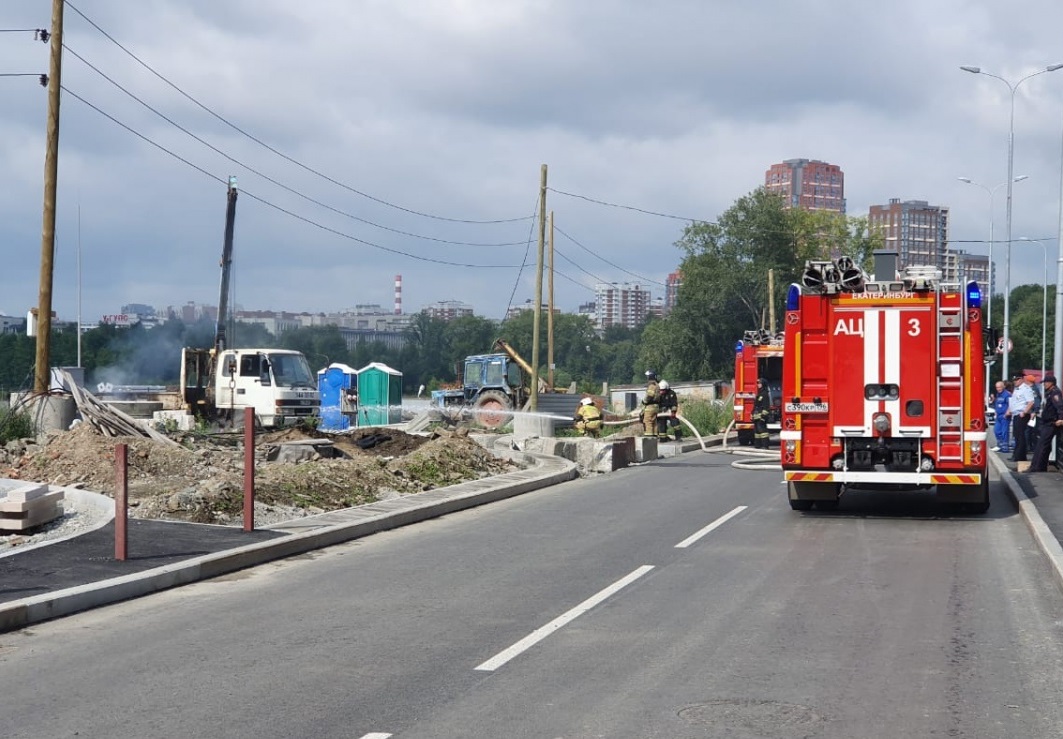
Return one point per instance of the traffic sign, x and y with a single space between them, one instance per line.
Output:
1000 346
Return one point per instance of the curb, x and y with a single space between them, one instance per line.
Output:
1046 540
380 516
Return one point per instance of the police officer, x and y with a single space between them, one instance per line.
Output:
650 404
669 405
761 408
588 418
1050 426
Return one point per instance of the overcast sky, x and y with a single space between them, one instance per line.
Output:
407 114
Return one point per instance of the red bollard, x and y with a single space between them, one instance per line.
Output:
249 469
121 497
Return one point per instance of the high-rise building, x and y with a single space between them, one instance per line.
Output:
448 310
961 267
916 230
620 305
671 290
808 184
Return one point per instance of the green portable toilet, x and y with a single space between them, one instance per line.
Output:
379 395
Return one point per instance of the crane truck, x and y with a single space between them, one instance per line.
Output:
219 382
883 385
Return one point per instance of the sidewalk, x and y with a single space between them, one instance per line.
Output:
76 574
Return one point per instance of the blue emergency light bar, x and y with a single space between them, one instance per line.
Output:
793 297
974 295
739 346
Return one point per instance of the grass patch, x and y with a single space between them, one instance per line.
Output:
15 425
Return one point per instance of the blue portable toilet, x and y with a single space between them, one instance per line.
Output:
379 395
338 385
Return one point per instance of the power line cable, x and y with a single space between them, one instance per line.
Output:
281 154
266 177
559 253
265 202
611 264
524 261
629 207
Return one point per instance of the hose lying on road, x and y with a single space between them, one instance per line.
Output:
766 459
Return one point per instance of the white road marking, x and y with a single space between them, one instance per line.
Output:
541 633
376 736
715 524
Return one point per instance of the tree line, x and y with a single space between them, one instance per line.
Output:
724 292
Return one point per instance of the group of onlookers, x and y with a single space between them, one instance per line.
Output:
1028 421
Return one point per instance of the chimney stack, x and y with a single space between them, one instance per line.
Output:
398 295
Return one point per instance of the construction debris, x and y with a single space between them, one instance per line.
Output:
107 420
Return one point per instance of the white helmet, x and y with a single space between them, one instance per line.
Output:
664 384
586 401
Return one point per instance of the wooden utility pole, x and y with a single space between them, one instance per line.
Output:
550 311
534 403
42 371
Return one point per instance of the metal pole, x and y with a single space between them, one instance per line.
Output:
1057 337
121 501
249 469
51 175
1007 247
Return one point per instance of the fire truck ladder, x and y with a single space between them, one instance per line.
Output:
950 378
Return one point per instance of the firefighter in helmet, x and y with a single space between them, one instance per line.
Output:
588 418
650 404
669 409
761 408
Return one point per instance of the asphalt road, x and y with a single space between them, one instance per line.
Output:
677 600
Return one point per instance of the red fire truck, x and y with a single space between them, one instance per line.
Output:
883 385
758 355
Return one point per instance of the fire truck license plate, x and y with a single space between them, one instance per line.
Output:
806 407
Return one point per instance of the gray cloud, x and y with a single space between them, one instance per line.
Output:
450 108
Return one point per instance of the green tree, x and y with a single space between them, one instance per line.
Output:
725 279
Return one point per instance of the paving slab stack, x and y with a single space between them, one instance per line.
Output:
27 505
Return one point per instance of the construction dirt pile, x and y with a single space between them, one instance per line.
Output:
201 478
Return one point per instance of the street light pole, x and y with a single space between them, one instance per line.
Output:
1044 302
1010 181
992 191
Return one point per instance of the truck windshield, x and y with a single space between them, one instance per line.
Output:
291 370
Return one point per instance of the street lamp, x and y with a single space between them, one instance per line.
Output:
989 297
1010 181
1044 301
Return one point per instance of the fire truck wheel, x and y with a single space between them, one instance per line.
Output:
982 504
492 409
823 495
795 503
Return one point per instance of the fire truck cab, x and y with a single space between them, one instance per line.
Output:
758 355
883 385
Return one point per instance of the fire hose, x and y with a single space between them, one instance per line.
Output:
766 459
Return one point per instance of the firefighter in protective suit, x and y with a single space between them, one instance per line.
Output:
761 408
588 418
669 409
650 404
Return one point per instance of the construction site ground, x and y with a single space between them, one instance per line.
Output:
200 478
